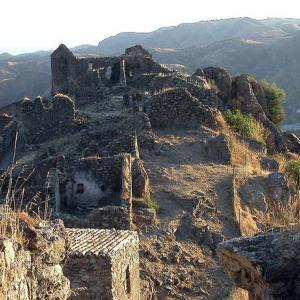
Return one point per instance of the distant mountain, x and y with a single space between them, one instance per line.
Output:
203 33
268 49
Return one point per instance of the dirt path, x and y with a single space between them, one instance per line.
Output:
185 182
180 173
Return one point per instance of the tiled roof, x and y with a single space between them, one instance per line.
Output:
98 241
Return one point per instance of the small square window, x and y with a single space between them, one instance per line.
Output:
80 188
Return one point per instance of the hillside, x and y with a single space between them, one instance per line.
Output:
268 49
277 62
157 177
203 33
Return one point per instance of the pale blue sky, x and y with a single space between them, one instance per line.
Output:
29 25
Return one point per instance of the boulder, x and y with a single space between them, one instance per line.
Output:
254 145
278 187
269 164
293 142
218 149
198 73
204 235
222 80
258 201
266 265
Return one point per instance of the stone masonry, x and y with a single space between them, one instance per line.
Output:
103 264
87 78
33 269
102 186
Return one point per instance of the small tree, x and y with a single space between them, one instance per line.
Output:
275 97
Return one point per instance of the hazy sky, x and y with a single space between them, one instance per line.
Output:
29 25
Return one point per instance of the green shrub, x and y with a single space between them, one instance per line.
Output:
154 205
275 97
293 170
246 125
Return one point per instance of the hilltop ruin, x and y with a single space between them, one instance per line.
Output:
124 144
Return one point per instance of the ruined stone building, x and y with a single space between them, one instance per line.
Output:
103 264
100 188
87 78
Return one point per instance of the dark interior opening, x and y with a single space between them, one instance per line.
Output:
128 282
115 73
80 188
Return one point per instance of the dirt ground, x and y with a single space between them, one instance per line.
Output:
185 183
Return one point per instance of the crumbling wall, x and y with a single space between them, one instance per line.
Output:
90 277
98 182
107 217
177 107
33 270
8 130
139 61
103 185
43 120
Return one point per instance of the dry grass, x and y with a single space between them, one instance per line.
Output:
238 294
11 211
279 214
241 154
163 90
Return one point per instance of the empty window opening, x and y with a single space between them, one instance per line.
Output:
128 282
80 188
103 188
91 67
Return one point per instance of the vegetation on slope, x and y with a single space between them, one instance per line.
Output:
293 170
246 125
275 97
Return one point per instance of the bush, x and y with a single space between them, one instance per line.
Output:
246 125
275 98
154 205
293 170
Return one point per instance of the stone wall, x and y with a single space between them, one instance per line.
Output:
33 270
108 217
90 277
45 119
103 264
108 143
177 107
125 264
99 191
8 130
85 79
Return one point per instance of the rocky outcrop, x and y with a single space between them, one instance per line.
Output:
32 270
222 81
266 265
269 164
247 96
278 187
293 142
218 149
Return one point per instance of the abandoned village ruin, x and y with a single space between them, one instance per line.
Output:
92 149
